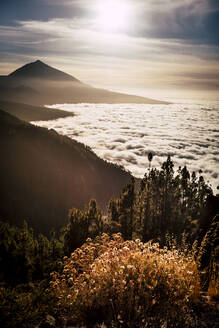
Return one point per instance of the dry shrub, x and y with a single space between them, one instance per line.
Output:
127 283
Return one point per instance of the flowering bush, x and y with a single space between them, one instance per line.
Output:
127 282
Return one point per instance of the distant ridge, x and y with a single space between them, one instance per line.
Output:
48 85
40 70
32 113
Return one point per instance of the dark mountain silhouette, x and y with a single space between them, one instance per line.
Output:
32 113
39 70
39 84
44 174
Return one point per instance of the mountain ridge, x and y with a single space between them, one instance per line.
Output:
52 86
30 113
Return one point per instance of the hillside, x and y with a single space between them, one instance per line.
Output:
39 84
32 113
44 174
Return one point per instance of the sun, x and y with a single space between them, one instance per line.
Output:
113 15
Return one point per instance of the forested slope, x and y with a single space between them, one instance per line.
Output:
44 174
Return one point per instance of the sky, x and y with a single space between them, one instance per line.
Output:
154 48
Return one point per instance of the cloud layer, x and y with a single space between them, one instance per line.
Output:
125 134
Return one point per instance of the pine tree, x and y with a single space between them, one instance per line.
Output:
122 210
150 157
83 224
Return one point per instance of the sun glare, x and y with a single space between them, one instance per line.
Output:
113 15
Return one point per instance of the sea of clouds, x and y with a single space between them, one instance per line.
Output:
126 133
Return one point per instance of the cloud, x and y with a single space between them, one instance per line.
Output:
120 140
42 10
192 20
184 132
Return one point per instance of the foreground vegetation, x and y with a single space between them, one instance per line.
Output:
144 265
112 280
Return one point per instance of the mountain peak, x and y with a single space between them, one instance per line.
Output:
38 62
40 70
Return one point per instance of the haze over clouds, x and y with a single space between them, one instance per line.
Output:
125 134
162 47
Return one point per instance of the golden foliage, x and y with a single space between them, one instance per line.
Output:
110 279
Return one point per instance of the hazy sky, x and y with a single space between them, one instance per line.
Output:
141 46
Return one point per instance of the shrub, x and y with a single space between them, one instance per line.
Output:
127 282
25 306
